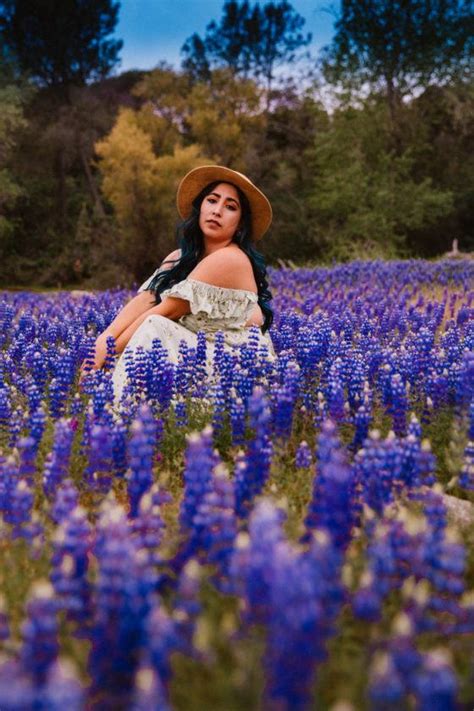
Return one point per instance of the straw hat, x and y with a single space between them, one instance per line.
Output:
197 179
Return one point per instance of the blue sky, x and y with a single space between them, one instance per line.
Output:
155 30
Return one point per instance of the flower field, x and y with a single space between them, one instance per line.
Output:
291 534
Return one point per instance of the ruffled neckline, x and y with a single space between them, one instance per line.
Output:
222 288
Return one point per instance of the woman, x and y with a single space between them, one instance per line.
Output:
214 282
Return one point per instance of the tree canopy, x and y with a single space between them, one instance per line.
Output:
250 40
399 45
61 42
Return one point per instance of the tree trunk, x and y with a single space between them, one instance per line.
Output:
91 184
61 193
393 106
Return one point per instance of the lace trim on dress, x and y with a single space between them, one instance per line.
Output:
217 302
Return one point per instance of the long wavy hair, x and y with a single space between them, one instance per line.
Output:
191 242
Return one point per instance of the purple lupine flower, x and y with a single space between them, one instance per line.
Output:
199 374
70 564
402 647
16 425
253 560
160 376
9 478
384 572
62 690
331 507
19 512
5 405
180 412
162 639
100 466
27 447
386 688
303 457
284 400
301 619
140 455
37 425
362 420
122 603
444 566
187 605
16 688
335 392
34 395
252 472
39 631
215 526
57 461
219 406
58 392
148 692
147 527
398 404
199 464
248 355
238 418
356 381
184 374
119 447
66 500
434 684
376 466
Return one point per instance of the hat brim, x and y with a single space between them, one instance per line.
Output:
197 179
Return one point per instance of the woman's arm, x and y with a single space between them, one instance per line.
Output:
129 313
170 307
127 316
140 303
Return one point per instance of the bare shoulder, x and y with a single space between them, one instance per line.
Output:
228 267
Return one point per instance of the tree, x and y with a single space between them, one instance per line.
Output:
141 186
11 121
61 42
366 198
398 46
222 115
251 41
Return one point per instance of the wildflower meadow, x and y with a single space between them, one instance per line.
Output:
288 534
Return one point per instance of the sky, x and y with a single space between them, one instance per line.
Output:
155 30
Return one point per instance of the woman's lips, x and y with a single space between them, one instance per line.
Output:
213 222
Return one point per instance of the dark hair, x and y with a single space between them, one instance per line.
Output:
192 248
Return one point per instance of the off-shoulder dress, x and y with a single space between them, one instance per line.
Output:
213 309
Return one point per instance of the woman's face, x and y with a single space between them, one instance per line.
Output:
220 214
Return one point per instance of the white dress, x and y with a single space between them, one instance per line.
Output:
213 309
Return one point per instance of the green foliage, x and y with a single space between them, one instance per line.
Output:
399 45
11 121
251 41
365 196
142 186
59 44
